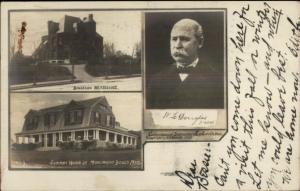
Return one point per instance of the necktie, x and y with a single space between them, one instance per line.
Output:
185 70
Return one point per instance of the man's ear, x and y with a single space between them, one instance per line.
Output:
201 41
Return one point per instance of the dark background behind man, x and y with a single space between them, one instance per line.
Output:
158 58
157 38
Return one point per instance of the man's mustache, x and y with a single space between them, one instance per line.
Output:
180 54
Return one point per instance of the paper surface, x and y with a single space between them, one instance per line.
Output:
251 143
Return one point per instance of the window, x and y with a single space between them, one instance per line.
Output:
108 120
50 119
102 135
112 121
78 115
102 107
32 122
73 117
119 138
111 137
75 27
53 119
97 117
46 119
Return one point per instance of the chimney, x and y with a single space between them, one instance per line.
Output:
90 17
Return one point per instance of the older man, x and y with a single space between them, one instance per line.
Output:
188 82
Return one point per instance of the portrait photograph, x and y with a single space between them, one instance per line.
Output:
150 95
185 59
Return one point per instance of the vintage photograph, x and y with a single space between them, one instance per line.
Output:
150 95
185 75
185 59
75 50
76 131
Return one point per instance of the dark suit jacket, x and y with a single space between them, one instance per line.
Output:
203 88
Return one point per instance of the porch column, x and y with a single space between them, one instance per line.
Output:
45 140
17 139
115 140
60 136
134 142
122 139
85 135
40 138
54 139
97 134
72 135
31 139
94 135
23 140
107 136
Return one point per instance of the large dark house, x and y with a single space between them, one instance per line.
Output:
85 120
71 40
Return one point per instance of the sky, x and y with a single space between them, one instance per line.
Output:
123 28
127 107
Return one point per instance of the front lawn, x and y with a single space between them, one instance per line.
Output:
30 73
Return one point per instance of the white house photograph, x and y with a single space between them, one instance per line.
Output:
99 125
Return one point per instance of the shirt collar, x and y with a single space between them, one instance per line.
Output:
193 64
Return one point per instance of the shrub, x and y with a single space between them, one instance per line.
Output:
112 146
93 145
66 145
77 146
26 147
86 144
114 66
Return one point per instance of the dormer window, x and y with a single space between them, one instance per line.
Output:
73 117
32 122
112 122
108 120
97 117
102 107
50 119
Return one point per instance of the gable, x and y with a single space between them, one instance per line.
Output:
73 105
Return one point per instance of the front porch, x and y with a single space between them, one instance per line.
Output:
51 140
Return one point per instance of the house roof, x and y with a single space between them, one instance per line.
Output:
81 103
87 106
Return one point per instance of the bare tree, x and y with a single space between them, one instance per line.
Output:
137 50
13 38
109 49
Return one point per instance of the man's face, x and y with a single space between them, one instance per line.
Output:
183 43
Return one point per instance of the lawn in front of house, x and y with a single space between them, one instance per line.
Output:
61 159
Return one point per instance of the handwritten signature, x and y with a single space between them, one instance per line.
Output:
197 174
181 116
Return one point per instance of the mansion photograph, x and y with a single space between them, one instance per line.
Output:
54 50
76 124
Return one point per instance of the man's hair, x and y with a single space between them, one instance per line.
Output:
199 34
196 26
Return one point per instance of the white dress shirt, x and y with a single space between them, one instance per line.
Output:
183 76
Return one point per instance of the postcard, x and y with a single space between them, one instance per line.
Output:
150 95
